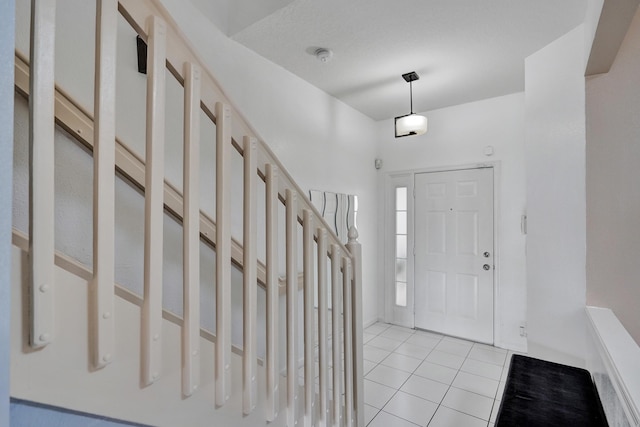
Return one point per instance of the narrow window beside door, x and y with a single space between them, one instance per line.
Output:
401 246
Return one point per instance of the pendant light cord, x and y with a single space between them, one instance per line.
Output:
411 94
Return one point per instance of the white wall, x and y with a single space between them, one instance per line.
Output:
555 164
457 136
7 27
613 193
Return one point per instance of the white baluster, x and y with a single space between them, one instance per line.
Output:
272 362
41 171
356 315
323 312
335 333
348 349
223 253
104 157
191 231
309 333
250 274
292 306
154 203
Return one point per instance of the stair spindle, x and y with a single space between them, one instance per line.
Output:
309 333
335 333
191 231
273 295
223 253
292 305
41 171
250 296
154 203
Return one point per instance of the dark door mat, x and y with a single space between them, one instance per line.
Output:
540 393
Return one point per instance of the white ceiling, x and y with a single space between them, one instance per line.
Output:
463 50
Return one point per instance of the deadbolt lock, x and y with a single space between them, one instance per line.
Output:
487 254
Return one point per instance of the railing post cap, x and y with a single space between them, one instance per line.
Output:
353 234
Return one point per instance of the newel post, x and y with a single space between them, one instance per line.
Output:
356 311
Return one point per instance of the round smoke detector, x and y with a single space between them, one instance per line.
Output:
323 54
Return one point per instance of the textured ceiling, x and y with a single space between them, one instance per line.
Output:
463 50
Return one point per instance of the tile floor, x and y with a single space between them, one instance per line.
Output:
425 379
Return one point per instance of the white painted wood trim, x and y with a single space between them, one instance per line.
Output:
154 204
104 159
191 232
323 325
309 332
619 355
250 293
272 297
336 266
41 171
347 311
223 253
291 198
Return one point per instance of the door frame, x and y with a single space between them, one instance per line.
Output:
406 178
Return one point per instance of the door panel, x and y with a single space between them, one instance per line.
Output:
453 229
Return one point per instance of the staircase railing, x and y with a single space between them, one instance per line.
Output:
169 51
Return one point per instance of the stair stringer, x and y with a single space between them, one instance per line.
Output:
61 375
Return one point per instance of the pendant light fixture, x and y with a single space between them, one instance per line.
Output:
411 124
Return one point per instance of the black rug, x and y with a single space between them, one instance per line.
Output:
541 393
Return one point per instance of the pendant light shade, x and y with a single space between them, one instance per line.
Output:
410 124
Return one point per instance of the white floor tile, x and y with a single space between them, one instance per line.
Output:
425 388
402 362
384 419
468 403
374 354
488 356
394 334
384 343
445 417
455 382
482 369
494 412
426 341
366 337
377 395
411 408
445 359
505 373
459 341
436 372
369 413
429 334
413 350
376 328
476 384
454 347
490 347
500 391
388 376
368 366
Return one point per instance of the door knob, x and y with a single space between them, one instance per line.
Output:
487 254
486 266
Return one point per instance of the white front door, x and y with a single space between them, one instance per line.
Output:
454 268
